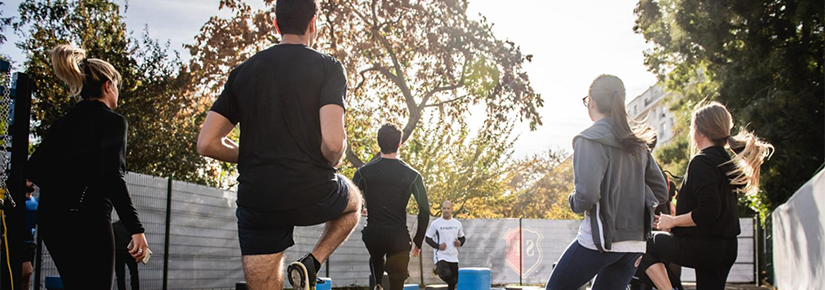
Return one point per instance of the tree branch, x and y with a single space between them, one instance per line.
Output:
375 67
352 158
446 102
436 90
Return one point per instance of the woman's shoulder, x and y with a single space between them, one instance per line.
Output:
113 118
714 156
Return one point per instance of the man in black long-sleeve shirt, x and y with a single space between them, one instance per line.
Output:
387 183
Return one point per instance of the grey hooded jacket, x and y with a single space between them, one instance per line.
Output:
618 190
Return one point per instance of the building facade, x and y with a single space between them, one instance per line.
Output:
651 105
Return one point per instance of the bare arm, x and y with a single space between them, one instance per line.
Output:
212 141
667 222
333 135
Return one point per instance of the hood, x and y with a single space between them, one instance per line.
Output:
601 132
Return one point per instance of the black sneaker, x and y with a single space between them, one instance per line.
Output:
303 274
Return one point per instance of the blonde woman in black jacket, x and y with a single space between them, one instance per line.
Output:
706 222
80 168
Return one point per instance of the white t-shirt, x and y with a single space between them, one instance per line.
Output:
585 238
445 232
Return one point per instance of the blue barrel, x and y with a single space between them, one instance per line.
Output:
410 286
54 283
473 279
323 284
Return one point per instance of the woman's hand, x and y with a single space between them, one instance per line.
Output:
664 222
139 247
416 251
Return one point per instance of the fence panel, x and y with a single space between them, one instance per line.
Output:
203 246
205 254
798 231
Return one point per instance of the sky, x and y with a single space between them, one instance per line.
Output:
572 42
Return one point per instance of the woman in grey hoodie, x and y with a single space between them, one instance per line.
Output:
617 186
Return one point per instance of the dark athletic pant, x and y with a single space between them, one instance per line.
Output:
711 257
82 246
123 258
394 243
448 271
579 264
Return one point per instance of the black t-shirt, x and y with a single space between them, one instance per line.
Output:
707 194
276 96
387 185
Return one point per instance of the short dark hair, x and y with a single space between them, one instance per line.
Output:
389 137
293 16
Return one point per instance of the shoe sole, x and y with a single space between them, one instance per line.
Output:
298 276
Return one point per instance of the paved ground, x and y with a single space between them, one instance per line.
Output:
688 286
692 286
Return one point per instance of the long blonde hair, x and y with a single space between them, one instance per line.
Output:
609 94
83 76
714 121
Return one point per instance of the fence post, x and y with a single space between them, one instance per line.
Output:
768 241
421 269
38 259
16 181
520 253
167 234
757 253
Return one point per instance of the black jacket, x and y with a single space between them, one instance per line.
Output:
81 164
708 195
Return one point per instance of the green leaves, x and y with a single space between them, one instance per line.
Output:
763 60
155 93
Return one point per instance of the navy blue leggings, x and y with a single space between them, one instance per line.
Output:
579 264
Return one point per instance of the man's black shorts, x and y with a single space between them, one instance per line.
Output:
270 232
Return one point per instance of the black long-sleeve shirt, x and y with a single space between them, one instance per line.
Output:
84 151
707 194
387 185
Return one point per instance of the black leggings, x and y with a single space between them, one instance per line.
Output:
448 272
123 258
394 243
711 257
82 247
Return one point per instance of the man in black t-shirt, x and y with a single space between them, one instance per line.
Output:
387 183
289 100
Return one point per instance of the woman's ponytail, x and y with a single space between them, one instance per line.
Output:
65 59
751 152
609 93
715 122
83 76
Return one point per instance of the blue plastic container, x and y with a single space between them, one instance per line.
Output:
324 284
54 283
473 279
411 287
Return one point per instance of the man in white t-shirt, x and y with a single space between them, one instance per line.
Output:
446 235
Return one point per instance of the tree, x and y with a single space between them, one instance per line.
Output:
154 91
406 61
539 186
4 22
763 60
410 56
469 171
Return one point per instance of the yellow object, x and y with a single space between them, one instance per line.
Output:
6 243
